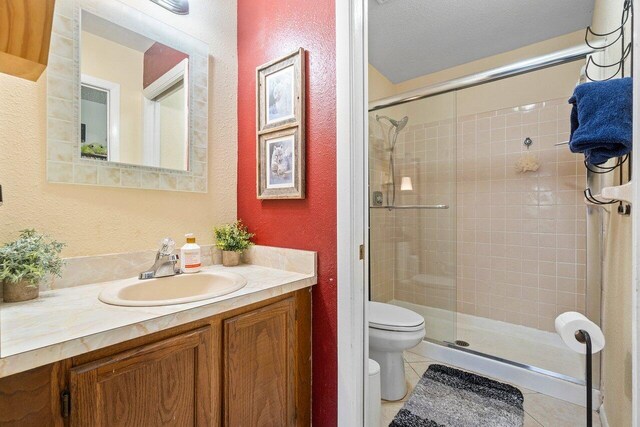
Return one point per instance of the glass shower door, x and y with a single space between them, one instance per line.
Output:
412 181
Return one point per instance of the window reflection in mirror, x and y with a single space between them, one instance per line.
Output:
134 97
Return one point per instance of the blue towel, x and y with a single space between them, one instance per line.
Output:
601 119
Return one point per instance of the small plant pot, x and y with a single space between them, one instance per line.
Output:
20 291
230 258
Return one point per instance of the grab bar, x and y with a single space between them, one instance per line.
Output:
412 207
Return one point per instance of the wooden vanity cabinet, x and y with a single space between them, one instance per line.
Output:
167 383
247 367
259 359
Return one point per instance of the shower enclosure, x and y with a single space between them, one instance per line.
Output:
487 254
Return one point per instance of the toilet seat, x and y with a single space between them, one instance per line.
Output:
388 317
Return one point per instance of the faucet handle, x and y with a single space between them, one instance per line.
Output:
167 246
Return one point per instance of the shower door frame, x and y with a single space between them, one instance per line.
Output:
552 59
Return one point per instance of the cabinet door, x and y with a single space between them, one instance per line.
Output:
167 383
259 367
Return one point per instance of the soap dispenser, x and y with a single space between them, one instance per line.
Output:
190 255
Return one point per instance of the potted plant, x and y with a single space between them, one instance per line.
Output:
232 240
24 264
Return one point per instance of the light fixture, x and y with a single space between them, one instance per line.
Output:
406 184
179 7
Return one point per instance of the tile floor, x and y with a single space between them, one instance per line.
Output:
540 410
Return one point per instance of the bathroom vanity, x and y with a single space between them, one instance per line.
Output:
248 366
243 358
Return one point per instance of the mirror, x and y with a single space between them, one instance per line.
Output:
127 98
134 102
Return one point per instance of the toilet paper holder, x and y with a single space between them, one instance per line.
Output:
583 337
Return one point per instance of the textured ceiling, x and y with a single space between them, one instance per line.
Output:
411 38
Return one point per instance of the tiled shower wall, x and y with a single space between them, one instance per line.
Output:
413 250
519 237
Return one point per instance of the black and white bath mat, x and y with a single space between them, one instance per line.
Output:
448 397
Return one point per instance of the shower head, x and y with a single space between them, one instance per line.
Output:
402 123
398 124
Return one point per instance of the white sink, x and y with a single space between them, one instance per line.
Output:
178 289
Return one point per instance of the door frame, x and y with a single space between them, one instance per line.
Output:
151 139
635 224
351 61
351 91
113 112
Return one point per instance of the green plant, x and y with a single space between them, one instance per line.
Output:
30 258
233 237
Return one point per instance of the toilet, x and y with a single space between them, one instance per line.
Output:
392 330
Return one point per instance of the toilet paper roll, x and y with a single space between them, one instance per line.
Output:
567 324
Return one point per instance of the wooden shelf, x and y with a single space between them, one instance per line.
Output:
25 35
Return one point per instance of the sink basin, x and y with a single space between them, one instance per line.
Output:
178 289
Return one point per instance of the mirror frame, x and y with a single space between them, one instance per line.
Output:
64 163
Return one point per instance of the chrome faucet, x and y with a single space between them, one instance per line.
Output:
166 264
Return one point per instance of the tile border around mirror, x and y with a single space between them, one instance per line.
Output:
64 164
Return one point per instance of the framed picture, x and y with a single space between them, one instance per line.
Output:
281 92
281 130
281 165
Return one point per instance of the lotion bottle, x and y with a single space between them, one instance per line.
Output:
190 255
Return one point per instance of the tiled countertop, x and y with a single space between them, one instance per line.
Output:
67 322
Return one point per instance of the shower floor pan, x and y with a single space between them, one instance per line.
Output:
516 343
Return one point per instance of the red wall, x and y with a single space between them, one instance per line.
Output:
268 29
159 59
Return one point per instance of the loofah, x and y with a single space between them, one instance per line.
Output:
527 163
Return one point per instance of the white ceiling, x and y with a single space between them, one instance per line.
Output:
411 38
110 31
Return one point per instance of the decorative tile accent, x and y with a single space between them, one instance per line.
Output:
63 80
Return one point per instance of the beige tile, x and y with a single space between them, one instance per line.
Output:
60 151
185 183
149 180
130 178
109 176
62 46
421 367
60 130
85 174
60 109
530 422
59 172
551 412
389 411
168 182
59 87
412 357
412 379
60 65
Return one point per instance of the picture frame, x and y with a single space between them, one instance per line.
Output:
280 92
281 168
280 136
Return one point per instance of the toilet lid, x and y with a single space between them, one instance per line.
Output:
393 318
